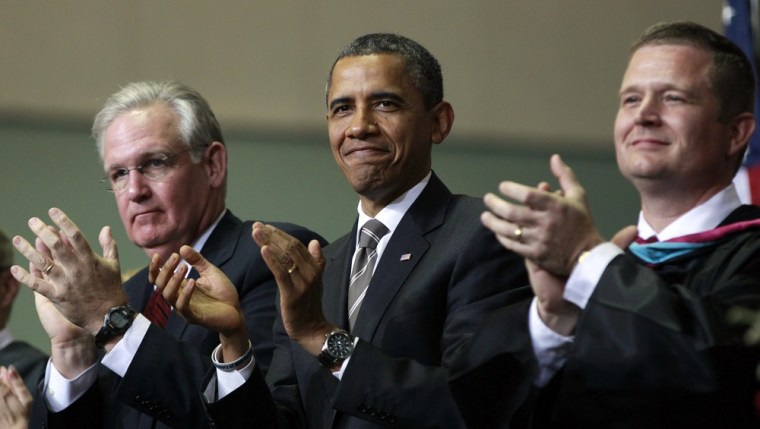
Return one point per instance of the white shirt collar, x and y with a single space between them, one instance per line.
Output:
6 337
203 238
703 217
391 214
201 241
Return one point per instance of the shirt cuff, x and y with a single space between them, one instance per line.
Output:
227 382
551 348
60 392
121 355
585 276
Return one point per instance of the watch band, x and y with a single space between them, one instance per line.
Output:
326 358
110 329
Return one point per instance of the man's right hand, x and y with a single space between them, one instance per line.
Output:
15 400
557 313
211 301
63 268
72 349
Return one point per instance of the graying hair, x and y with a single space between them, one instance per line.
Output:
198 126
421 66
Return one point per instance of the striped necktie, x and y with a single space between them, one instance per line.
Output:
364 266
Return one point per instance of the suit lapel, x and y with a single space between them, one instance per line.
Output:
337 272
218 249
405 250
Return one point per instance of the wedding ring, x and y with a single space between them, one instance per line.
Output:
292 268
47 269
517 234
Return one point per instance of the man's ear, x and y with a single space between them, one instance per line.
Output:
443 120
742 127
9 288
216 163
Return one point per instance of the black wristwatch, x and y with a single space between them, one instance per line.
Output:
338 347
116 322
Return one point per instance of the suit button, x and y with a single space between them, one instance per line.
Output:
372 412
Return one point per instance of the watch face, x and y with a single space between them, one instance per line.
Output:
340 345
119 319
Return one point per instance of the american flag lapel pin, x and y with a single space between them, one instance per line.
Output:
406 257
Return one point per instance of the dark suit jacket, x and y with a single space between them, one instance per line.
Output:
163 380
653 348
417 311
29 361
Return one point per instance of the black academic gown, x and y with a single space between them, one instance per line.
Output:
653 348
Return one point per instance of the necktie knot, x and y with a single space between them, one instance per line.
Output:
371 233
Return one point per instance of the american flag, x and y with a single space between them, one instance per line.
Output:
741 21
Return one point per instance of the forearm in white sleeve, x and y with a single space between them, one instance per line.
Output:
60 392
586 274
551 348
121 355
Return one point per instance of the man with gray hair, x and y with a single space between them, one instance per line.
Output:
165 161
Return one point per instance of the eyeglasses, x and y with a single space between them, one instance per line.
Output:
152 169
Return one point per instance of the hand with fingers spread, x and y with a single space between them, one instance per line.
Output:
15 400
62 267
298 271
211 301
552 229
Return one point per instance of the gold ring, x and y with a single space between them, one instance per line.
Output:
47 269
292 268
518 234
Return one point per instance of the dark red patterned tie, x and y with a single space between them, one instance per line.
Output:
157 310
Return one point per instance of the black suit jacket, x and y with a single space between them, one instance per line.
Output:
653 348
29 361
160 388
418 309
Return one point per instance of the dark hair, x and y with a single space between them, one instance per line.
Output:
731 76
421 66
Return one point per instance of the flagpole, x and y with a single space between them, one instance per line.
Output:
754 9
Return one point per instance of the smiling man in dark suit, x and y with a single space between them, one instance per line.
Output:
166 163
354 352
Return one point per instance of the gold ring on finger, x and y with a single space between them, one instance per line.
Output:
47 268
292 268
518 234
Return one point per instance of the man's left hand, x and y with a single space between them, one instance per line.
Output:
551 229
298 272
